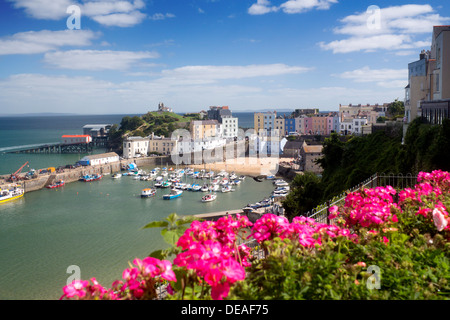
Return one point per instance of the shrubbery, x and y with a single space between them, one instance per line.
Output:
384 244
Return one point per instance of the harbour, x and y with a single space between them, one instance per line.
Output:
95 226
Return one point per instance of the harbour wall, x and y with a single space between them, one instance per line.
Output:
71 175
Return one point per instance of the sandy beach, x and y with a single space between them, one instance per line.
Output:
246 166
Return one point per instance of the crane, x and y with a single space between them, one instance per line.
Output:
14 176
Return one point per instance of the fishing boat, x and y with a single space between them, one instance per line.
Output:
209 197
9 195
148 192
56 184
174 193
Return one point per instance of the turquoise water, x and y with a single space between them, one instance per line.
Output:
95 226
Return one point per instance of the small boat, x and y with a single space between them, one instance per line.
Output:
196 187
166 184
158 184
89 178
116 176
270 177
205 188
224 181
148 192
209 197
237 182
9 195
174 193
227 189
56 184
241 178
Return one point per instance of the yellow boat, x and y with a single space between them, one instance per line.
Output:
11 194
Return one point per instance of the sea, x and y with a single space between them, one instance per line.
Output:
84 230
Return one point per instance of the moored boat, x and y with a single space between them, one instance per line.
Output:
56 184
209 197
148 192
174 193
11 194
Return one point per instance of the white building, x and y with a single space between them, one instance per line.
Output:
347 126
133 146
358 123
229 127
99 159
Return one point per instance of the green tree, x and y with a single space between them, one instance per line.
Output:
306 193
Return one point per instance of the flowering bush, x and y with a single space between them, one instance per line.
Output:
403 233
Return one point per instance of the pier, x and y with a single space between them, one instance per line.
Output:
56 148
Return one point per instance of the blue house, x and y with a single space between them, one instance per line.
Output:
289 125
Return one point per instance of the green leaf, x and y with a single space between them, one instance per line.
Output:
156 224
172 236
158 254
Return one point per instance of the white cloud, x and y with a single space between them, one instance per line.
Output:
261 7
290 6
299 6
211 73
33 42
96 60
120 19
386 78
393 28
161 16
120 13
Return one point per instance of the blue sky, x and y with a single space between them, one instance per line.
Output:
129 55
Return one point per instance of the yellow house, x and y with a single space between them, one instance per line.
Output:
204 129
258 121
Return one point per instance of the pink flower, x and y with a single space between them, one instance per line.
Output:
439 219
220 291
76 288
166 270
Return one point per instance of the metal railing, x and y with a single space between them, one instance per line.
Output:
397 181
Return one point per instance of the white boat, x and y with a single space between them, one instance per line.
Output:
11 194
224 181
196 187
148 192
227 189
280 183
159 178
116 176
241 178
158 184
209 197
205 188
174 193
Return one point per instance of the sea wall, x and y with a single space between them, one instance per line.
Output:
287 171
71 175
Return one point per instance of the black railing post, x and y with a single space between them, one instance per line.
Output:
328 212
